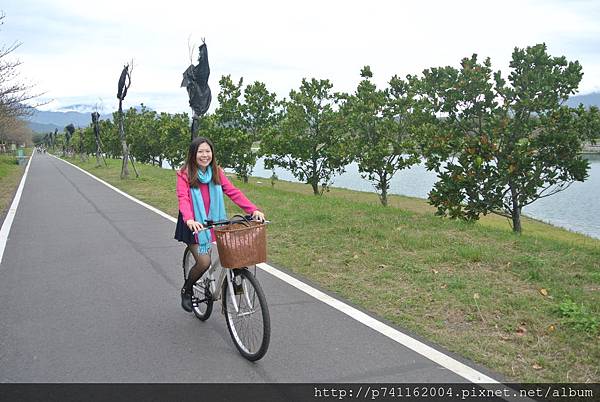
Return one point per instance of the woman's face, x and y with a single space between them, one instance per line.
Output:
203 155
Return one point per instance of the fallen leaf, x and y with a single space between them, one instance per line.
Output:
536 366
521 331
543 292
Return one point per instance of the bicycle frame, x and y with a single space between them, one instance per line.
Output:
224 274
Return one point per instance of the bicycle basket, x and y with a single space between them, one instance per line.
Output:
241 244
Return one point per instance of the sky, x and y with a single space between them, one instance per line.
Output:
73 51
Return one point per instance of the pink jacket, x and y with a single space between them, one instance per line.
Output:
185 200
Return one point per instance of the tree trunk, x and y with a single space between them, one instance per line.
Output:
383 186
383 197
195 126
314 182
314 179
124 169
516 211
97 145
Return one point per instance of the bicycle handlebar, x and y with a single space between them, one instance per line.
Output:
210 224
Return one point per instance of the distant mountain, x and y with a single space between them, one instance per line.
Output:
59 119
42 121
44 128
591 99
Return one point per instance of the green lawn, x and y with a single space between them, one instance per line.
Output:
10 176
526 306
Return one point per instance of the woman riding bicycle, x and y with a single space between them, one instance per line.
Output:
201 184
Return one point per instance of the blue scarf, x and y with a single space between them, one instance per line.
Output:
216 211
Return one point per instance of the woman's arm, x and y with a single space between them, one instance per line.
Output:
183 195
236 195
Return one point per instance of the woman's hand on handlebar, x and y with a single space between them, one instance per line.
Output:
258 216
194 226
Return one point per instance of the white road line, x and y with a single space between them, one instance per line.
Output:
12 211
424 350
427 351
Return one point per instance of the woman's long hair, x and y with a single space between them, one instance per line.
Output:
192 166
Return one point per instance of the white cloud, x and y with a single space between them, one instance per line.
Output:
76 49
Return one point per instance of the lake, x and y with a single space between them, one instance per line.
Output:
576 208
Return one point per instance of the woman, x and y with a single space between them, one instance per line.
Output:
201 184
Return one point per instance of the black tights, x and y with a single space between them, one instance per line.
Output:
202 264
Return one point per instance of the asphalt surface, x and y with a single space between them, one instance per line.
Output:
89 292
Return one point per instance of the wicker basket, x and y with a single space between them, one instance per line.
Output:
242 244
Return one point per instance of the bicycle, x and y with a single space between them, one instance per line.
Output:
243 301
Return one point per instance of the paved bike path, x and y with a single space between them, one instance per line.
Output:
89 292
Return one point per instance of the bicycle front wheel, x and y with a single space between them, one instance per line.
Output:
247 314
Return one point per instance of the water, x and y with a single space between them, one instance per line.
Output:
577 208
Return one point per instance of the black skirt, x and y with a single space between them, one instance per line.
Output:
183 233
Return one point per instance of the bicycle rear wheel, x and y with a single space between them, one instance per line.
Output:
202 302
250 324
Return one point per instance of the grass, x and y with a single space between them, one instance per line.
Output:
525 306
10 176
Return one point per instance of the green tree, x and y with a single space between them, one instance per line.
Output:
500 145
143 136
308 141
381 125
231 138
259 111
109 136
83 142
588 122
174 137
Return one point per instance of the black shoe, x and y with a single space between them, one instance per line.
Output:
186 300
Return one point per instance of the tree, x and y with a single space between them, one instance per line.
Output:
111 142
240 126
15 131
174 140
259 110
231 138
13 95
69 131
143 136
381 125
309 141
123 86
499 146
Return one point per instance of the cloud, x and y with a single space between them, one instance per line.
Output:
74 50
